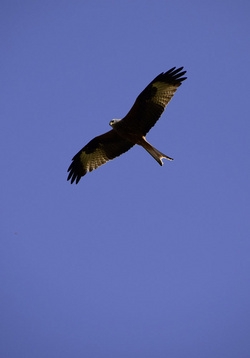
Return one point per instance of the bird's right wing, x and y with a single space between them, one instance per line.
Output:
152 101
97 152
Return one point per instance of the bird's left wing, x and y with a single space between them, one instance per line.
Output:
152 101
97 152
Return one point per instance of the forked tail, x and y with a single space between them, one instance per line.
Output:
156 154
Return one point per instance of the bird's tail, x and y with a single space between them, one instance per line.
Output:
156 154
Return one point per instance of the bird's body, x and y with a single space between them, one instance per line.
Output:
130 130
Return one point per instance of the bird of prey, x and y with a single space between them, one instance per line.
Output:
130 130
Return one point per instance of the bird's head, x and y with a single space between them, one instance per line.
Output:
114 122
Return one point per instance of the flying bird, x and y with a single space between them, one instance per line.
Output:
131 129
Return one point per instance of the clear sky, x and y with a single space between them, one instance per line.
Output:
137 260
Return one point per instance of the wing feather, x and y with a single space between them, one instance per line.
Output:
97 152
152 101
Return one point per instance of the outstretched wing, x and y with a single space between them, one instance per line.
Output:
152 101
97 152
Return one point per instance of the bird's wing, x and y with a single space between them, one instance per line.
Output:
152 101
97 152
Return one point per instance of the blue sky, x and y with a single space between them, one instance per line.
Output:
137 260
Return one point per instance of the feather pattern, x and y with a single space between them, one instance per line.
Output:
152 101
97 152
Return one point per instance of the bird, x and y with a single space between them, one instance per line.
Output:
130 130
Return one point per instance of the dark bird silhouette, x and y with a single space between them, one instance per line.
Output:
130 130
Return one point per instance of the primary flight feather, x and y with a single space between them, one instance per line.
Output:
130 130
